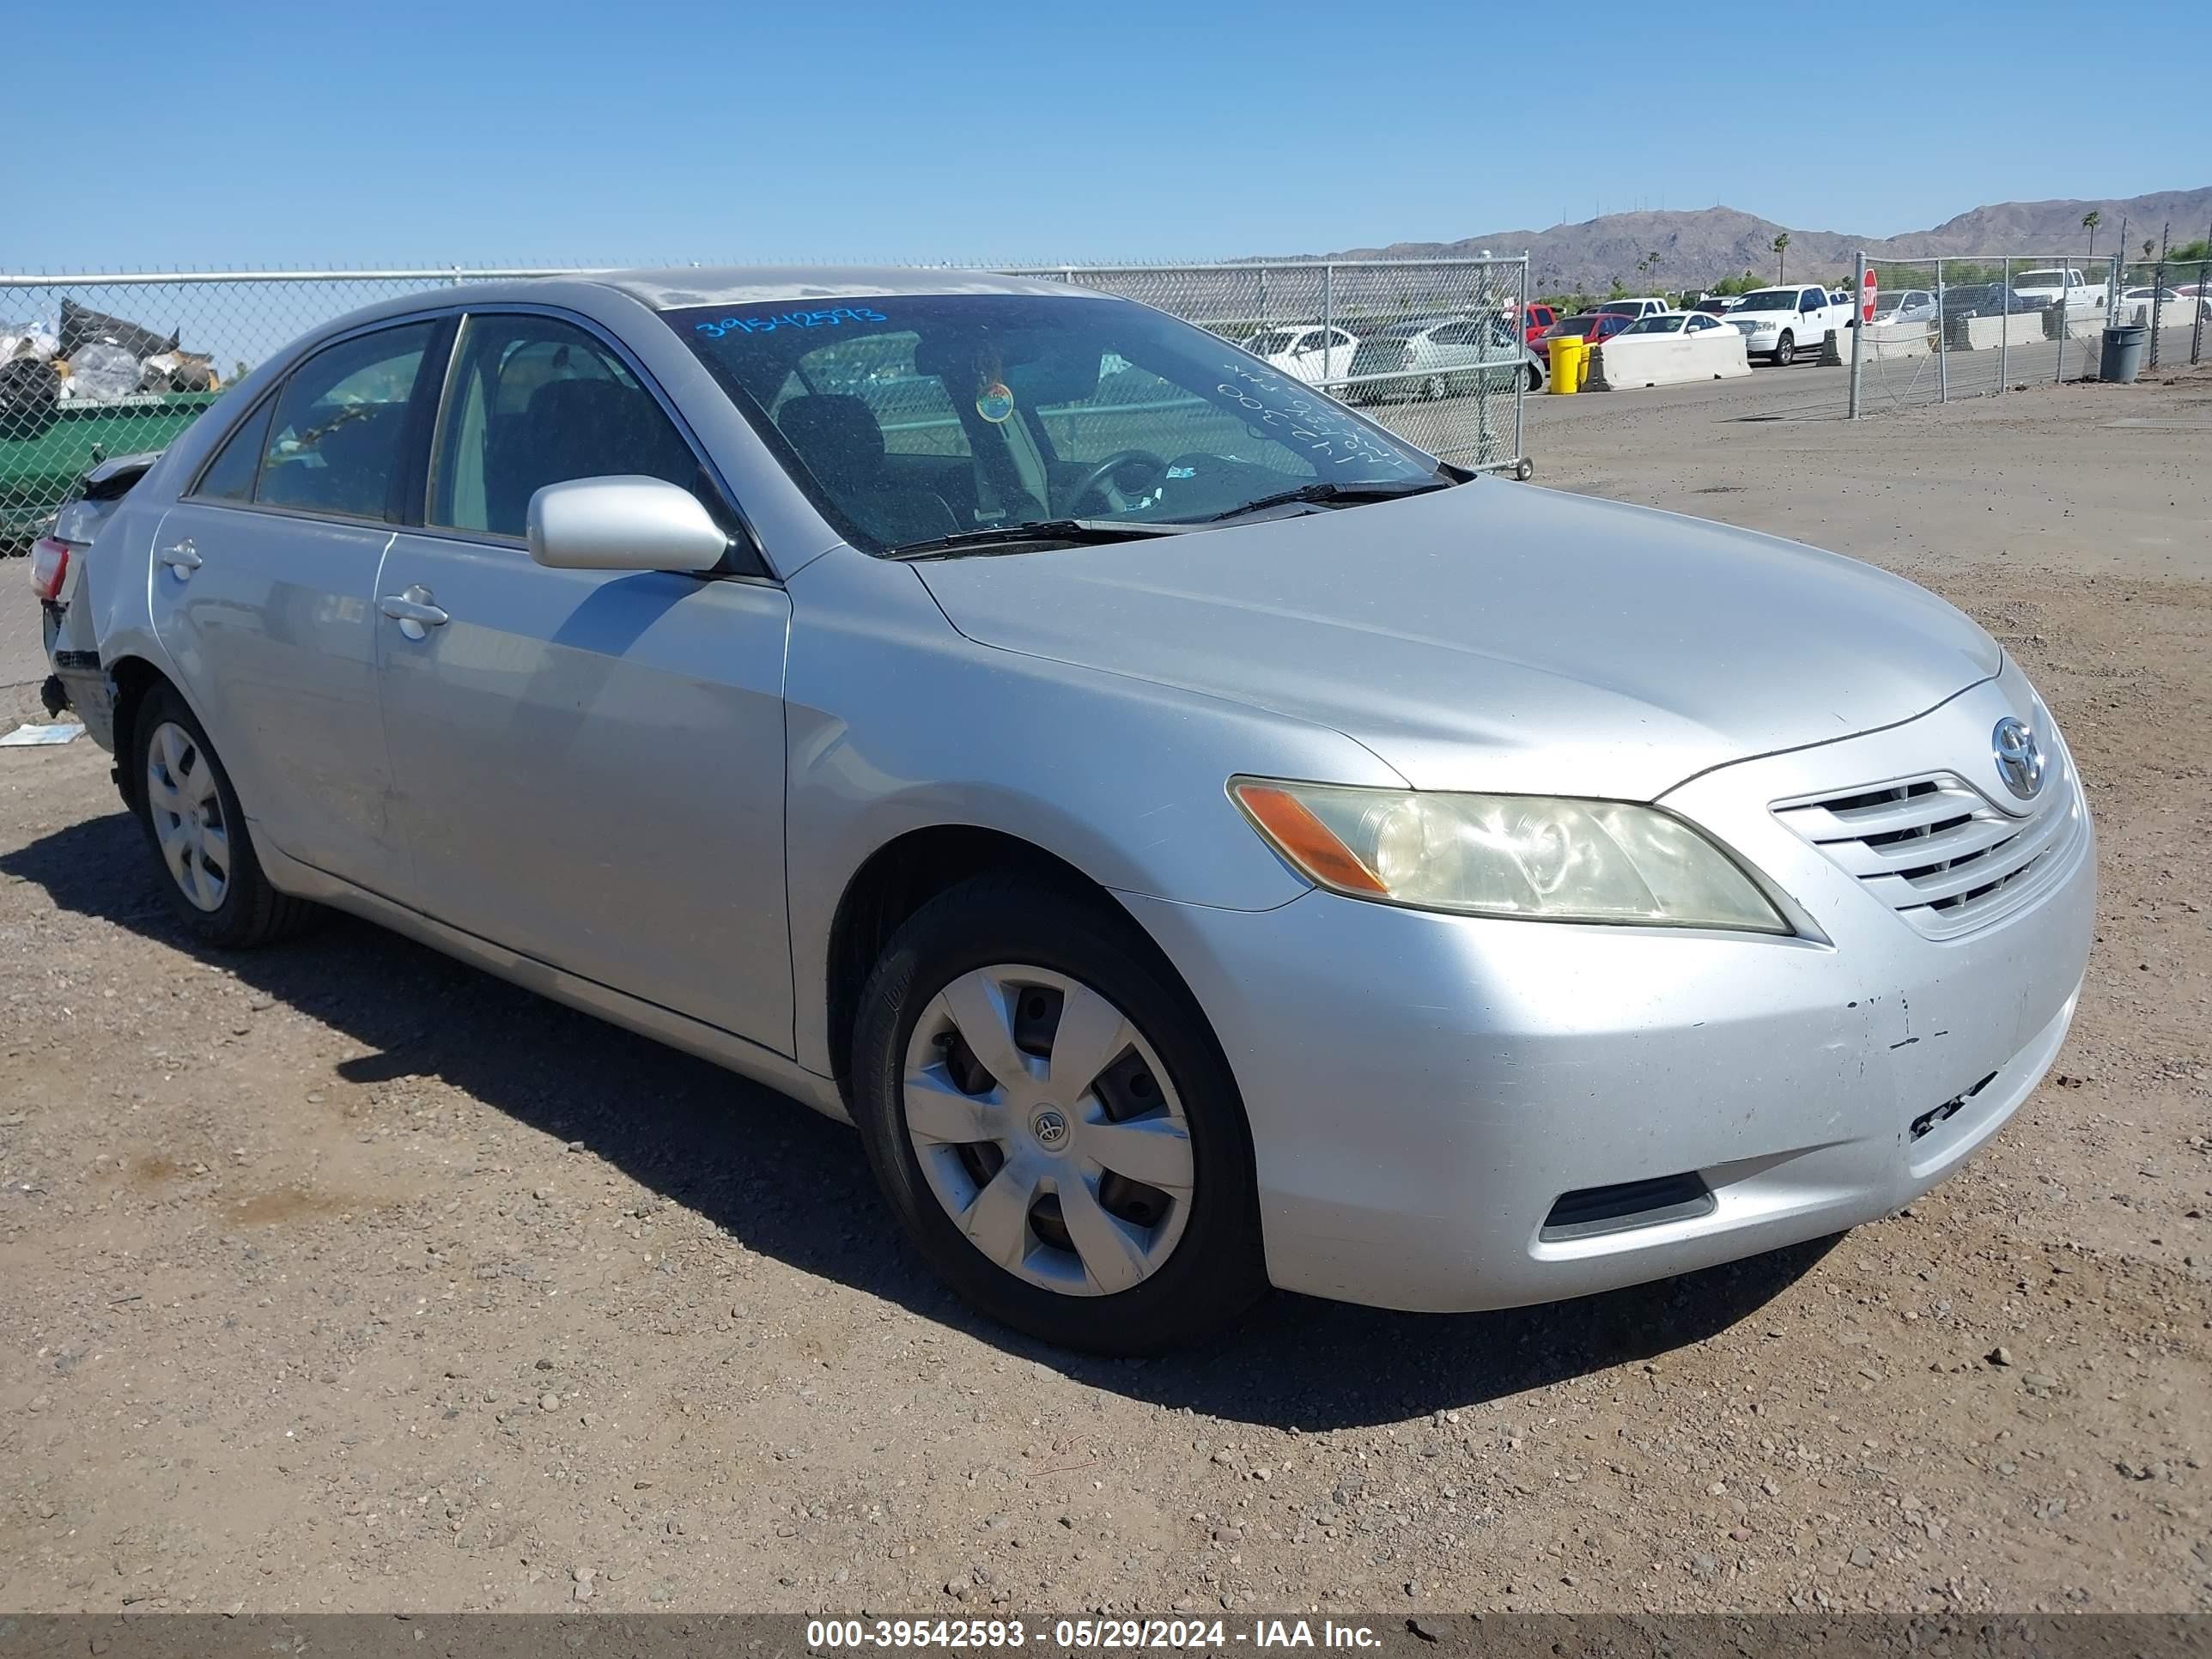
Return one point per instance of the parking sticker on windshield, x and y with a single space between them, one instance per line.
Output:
995 402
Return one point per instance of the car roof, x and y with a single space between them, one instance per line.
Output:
673 287
676 287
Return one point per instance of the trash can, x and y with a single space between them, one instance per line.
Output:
2121 358
1568 355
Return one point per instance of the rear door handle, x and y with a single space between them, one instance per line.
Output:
181 557
413 612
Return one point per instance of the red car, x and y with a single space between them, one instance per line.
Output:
1592 325
1536 321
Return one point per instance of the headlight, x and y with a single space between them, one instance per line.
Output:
1536 857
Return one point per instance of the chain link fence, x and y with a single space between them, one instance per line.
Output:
95 366
1969 328
2173 300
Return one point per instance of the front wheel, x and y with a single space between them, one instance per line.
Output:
1785 350
1052 1124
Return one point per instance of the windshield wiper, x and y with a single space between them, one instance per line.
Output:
1325 490
1079 532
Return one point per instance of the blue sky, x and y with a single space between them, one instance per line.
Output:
229 134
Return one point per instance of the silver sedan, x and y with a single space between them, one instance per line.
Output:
1201 841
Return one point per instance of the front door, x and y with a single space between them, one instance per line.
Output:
262 583
587 766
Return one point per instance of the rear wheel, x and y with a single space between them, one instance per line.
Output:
1435 387
1786 349
198 832
1052 1124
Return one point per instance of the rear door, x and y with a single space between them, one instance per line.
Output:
587 766
263 580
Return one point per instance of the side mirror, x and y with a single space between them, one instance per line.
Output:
623 523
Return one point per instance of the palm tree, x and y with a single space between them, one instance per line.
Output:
2090 221
1781 245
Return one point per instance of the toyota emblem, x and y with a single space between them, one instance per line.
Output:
2019 761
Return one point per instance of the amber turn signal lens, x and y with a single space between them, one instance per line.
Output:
1305 840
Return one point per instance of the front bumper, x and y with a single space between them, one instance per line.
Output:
1424 1089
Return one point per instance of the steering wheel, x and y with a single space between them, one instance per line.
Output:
1111 465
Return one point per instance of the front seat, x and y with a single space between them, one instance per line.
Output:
838 441
577 429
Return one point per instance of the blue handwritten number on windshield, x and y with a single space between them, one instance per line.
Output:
834 318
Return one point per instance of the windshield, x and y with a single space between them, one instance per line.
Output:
1270 345
908 418
1657 325
1574 325
1622 307
2040 279
1770 298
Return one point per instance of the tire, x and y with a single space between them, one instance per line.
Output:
1181 1264
1524 469
175 769
1785 350
1535 378
1435 388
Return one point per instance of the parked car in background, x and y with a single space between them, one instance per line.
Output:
1910 305
1441 358
2167 303
1718 304
1310 354
1671 347
1592 327
1467 896
1534 320
1781 324
2047 288
1648 305
1983 300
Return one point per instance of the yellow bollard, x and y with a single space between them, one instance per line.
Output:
1568 355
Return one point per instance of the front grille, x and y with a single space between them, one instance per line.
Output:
1937 852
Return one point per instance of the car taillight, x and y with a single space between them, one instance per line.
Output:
49 566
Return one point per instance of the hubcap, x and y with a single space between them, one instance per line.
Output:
188 812
1048 1129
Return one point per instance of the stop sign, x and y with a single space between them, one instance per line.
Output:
1866 297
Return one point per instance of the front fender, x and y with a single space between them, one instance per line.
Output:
896 722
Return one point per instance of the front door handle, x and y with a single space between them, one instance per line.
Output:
181 557
413 612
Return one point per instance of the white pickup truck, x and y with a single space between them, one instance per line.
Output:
2047 288
1783 324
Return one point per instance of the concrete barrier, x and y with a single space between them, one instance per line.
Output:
1886 340
2074 322
1987 333
1628 362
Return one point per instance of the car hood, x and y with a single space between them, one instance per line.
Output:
1495 636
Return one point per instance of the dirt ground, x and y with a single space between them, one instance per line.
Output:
343 1277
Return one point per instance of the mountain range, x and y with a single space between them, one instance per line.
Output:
1702 246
